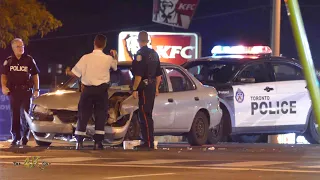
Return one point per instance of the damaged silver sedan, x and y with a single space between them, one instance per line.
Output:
184 107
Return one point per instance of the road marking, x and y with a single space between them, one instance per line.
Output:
248 164
8 157
73 159
143 175
156 161
315 166
185 167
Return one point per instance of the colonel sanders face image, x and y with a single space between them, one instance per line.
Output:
168 7
165 11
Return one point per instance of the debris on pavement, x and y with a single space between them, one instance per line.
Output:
189 148
211 148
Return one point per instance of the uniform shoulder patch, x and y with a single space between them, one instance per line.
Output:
5 62
139 57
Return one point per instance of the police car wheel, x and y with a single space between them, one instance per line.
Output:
133 131
198 133
42 143
312 135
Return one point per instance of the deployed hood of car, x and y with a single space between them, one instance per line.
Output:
67 99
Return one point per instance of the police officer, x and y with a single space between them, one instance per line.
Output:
94 71
19 76
147 78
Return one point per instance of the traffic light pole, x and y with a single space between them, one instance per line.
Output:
305 55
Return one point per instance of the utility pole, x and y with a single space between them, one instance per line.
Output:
275 42
303 48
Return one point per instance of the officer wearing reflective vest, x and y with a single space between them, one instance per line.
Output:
94 71
147 77
20 81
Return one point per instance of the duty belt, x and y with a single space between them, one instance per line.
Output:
20 87
149 81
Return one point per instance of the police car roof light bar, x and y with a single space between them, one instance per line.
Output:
241 50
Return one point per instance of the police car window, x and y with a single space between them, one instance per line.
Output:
287 72
178 80
215 71
258 72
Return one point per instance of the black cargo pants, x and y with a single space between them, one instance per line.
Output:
20 101
146 104
93 100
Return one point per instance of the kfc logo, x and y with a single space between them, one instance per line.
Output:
175 48
176 13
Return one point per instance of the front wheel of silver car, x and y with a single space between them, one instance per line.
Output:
312 134
198 133
42 143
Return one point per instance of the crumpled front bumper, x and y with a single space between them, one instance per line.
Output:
55 126
51 128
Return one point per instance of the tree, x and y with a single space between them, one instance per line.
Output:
24 19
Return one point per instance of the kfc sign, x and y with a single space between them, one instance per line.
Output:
175 48
177 13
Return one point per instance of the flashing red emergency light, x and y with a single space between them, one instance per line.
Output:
241 50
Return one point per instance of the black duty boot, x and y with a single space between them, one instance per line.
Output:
14 142
98 146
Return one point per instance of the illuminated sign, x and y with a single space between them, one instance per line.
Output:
174 48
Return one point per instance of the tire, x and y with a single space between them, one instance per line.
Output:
42 143
198 134
133 132
250 138
312 135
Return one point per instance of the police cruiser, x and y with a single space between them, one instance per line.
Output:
260 94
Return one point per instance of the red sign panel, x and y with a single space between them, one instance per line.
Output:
174 48
177 13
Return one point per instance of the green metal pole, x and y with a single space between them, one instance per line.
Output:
305 55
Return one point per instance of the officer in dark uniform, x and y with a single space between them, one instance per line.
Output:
18 77
147 78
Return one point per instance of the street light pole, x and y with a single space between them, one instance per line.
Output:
275 42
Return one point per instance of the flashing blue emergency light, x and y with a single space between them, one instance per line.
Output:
241 50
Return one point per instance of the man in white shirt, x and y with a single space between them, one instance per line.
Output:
94 71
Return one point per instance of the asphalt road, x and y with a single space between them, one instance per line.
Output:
170 161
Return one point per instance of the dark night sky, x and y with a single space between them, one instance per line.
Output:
82 19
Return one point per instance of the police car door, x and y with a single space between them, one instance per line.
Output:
254 102
293 99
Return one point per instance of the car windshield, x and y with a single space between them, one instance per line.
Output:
121 77
216 71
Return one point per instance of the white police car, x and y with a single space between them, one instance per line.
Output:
259 94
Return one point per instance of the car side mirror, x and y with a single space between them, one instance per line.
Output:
247 80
